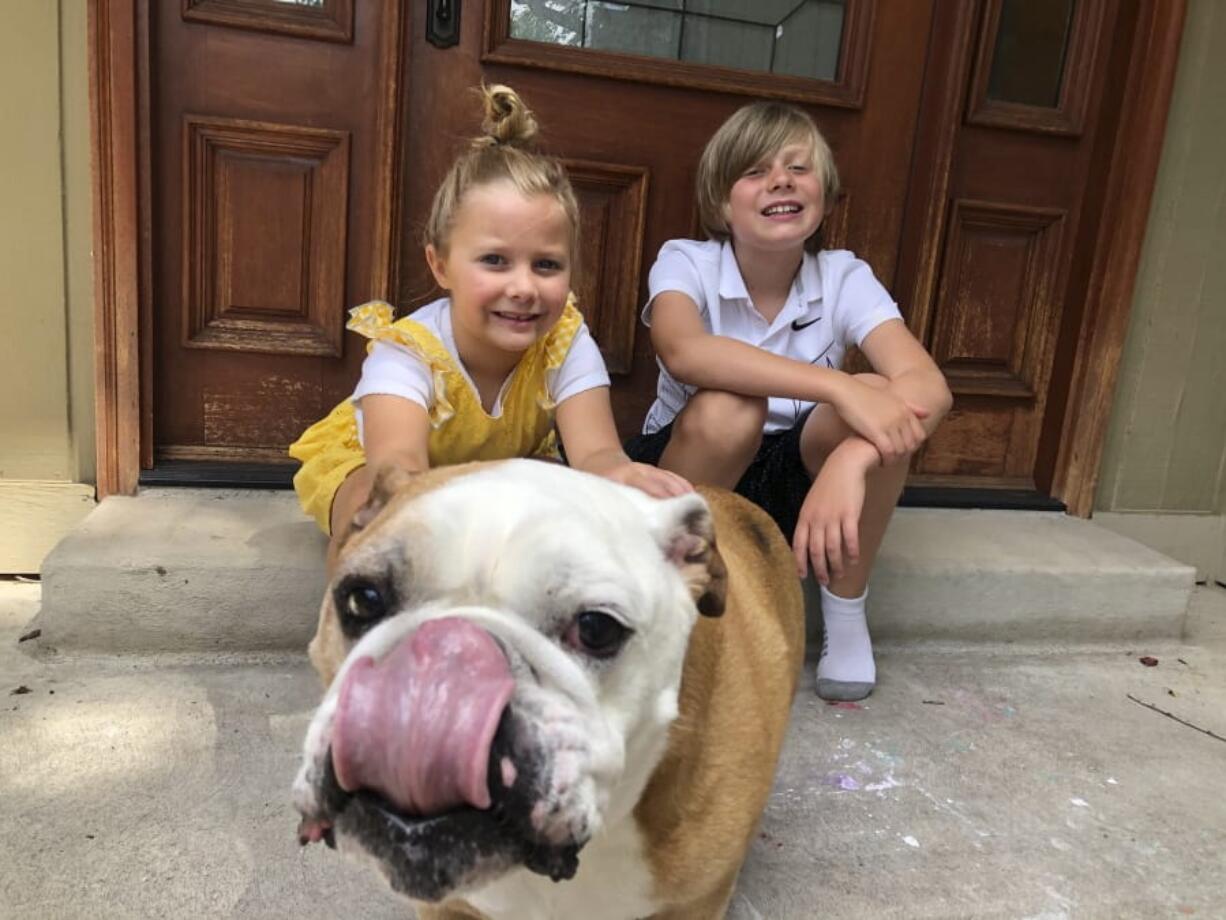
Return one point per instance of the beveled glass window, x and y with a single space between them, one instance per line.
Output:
799 38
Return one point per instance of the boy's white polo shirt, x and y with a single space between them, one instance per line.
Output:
835 301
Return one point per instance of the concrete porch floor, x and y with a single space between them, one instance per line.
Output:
984 780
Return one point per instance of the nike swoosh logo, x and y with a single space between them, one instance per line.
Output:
797 325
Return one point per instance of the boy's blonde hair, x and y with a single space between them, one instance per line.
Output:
750 135
505 150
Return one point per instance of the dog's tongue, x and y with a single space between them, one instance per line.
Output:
417 725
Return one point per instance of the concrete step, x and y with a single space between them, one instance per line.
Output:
232 570
1022 576
186 570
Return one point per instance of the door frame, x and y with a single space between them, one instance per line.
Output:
120 152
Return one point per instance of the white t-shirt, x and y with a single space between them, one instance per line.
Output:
834 302
391 369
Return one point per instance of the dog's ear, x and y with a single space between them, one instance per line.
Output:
687 537
390 478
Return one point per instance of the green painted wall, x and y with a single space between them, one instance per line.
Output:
78 232
1166 446
33 335
46 386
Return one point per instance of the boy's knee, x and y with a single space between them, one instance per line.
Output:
724 419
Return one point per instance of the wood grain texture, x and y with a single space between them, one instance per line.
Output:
1068 115
1165 449
390 165
995 311
612 212
114 148
295 151
265 235
333 21
1135 154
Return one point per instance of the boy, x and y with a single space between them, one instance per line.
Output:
750 328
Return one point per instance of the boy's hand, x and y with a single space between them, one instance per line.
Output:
885 420
650 479
828 528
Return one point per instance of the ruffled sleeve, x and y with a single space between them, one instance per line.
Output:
374 320
556 345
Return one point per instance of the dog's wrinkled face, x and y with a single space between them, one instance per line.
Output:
503 654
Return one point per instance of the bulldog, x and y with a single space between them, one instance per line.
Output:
550 695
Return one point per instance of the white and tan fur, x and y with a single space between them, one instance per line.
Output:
671 747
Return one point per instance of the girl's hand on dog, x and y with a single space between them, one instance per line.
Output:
654 481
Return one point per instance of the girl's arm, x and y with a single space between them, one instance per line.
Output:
395 430
585 424
711 362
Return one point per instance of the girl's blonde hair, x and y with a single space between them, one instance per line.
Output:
751 134
505 150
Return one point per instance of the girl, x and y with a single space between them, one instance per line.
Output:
486 372
750 328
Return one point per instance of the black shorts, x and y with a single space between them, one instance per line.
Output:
776 480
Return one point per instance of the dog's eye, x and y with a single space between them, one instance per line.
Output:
596 634
363 601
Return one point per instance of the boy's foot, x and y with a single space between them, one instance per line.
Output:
846 670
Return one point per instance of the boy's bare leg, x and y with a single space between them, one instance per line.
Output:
348 499
847 670
715 438
883 485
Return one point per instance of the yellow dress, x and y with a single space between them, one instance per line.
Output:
461 429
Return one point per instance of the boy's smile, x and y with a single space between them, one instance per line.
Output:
507 269
778 202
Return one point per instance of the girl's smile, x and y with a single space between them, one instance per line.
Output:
507 269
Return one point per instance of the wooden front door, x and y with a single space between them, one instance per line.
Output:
269 182
296 146
1020 115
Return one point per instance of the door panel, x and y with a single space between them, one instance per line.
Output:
613 209
328 20
251 283
265 117
1005 287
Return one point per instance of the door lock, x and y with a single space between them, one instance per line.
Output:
443 23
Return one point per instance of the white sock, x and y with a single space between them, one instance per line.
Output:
847 651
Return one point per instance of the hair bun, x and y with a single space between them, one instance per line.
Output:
507 119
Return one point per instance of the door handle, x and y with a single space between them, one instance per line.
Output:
443 23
